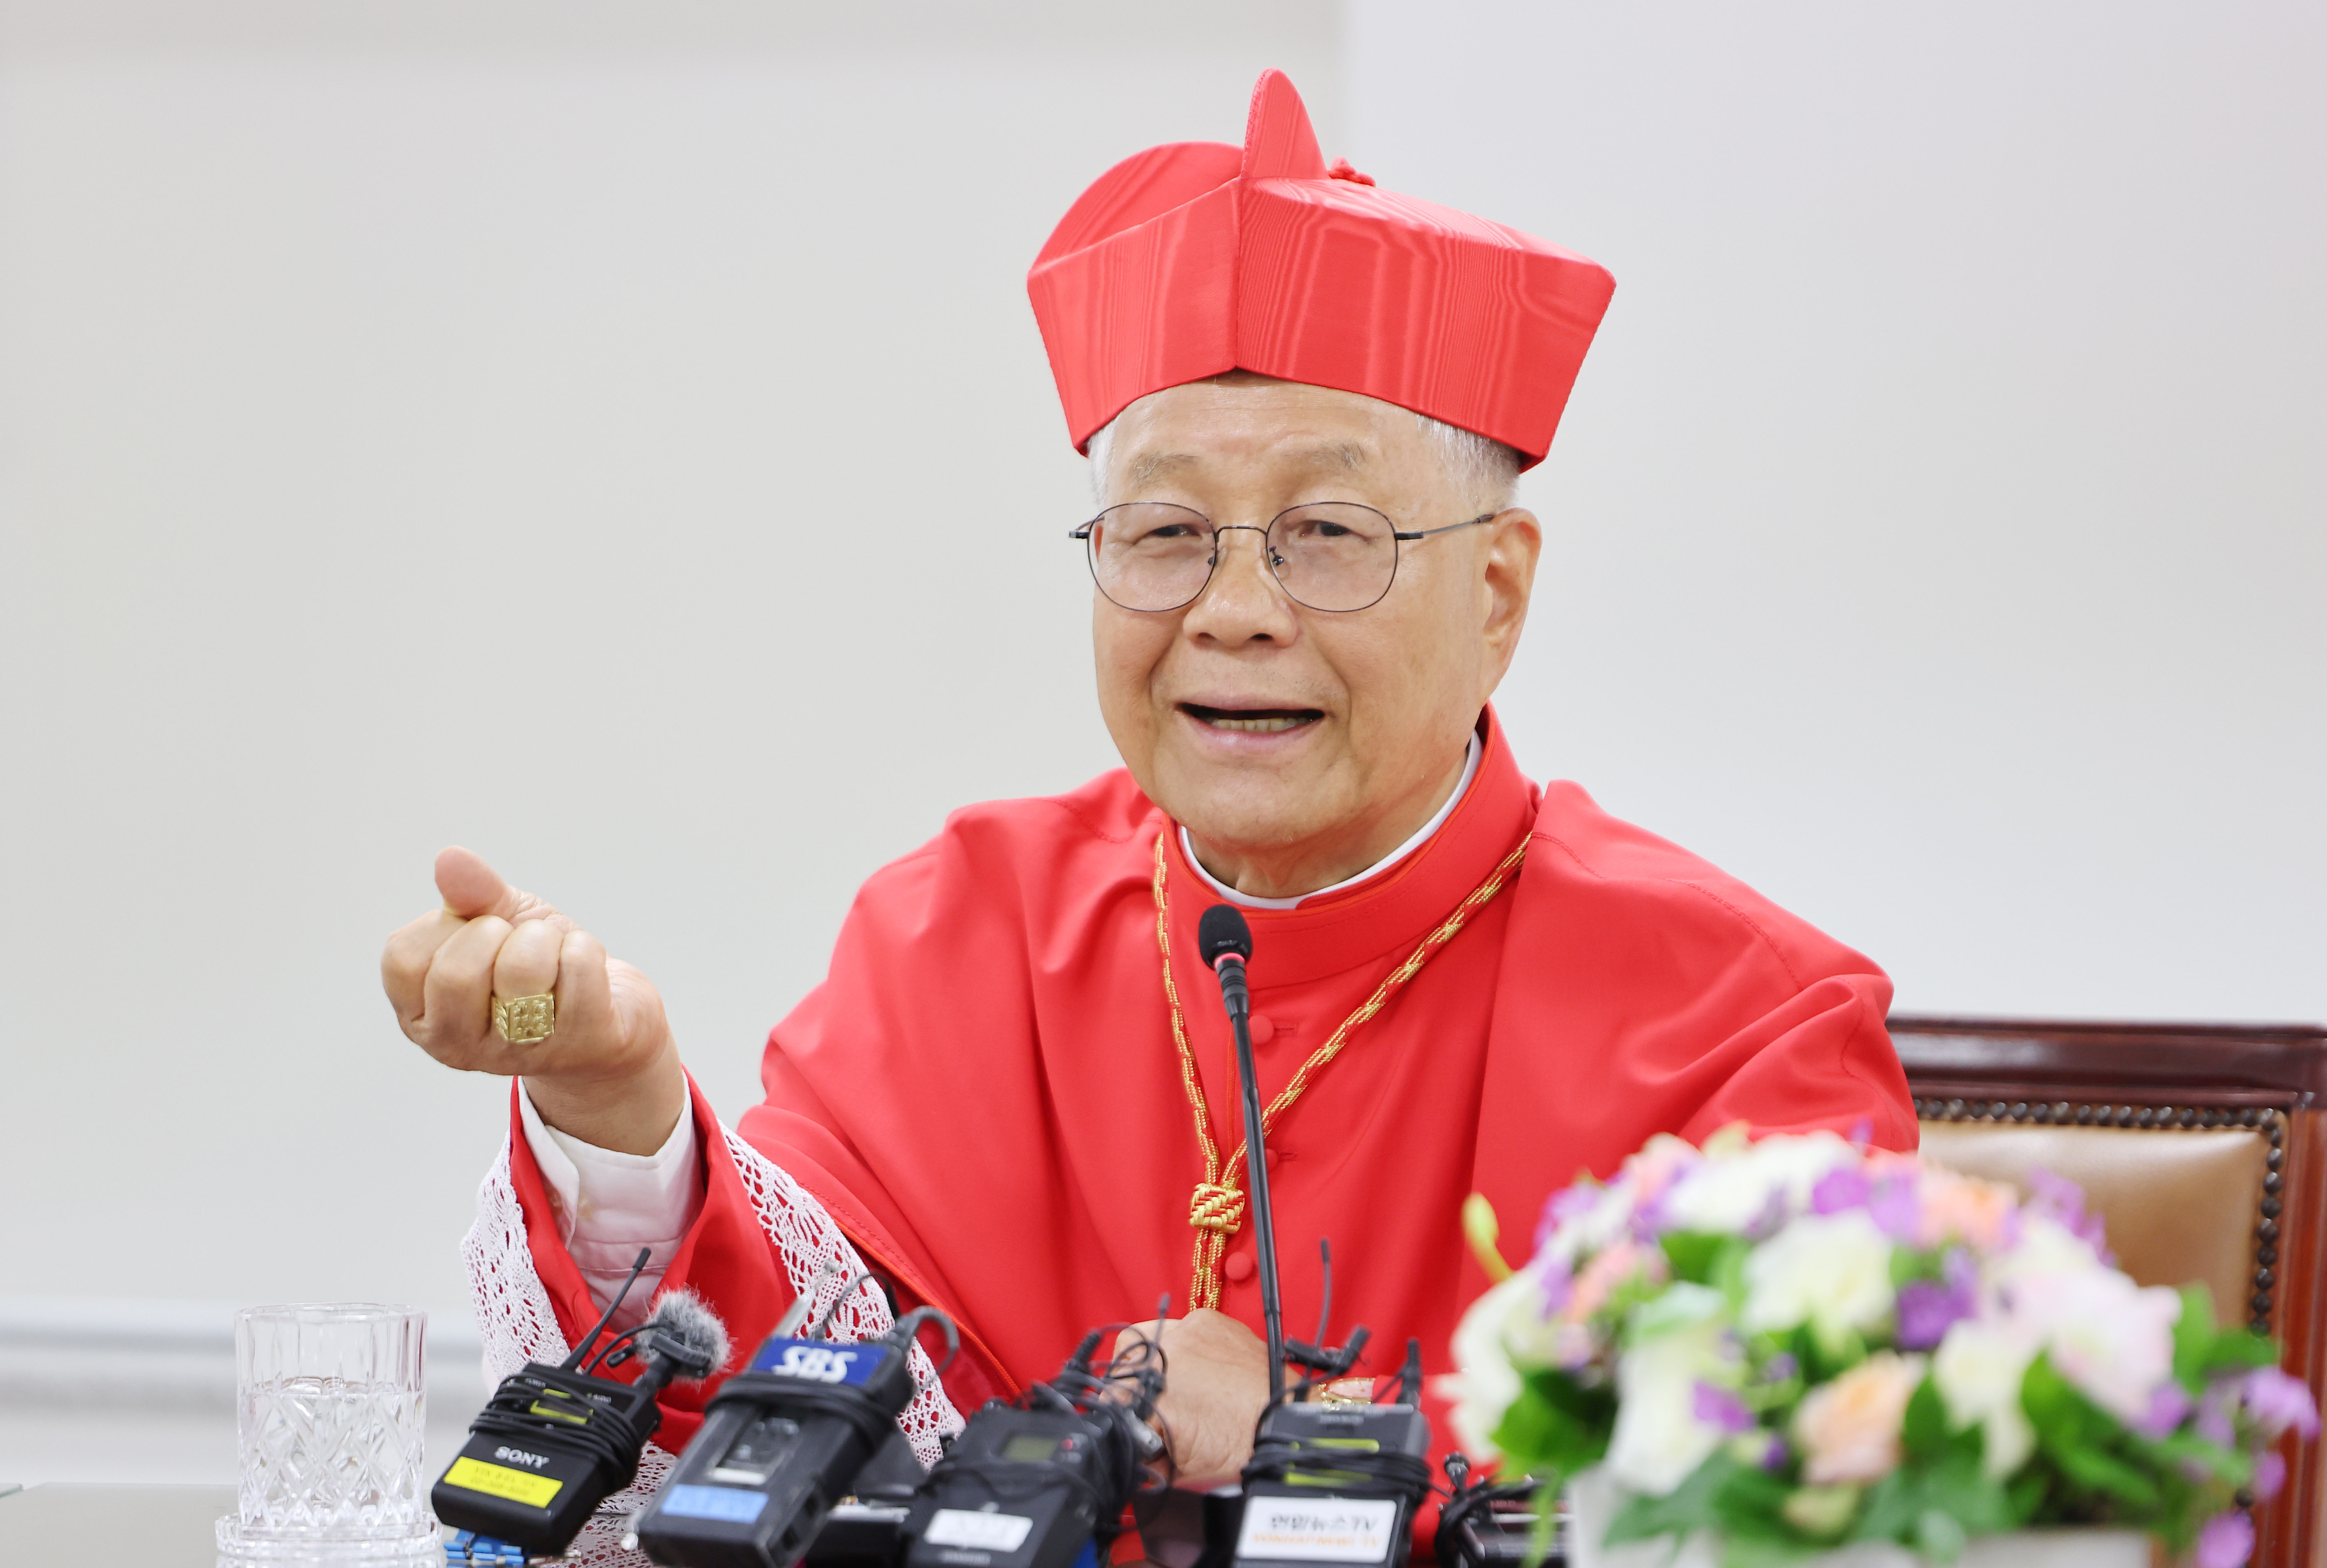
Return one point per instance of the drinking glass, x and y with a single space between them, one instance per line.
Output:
329 1428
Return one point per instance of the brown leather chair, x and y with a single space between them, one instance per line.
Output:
2203 1148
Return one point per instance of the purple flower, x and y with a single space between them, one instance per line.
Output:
2277 1402
1779 1368
2060 1199
1719 1407
2226 1541
2270 1474
2214 1414
1896 1211
1569 1203
1927 1308
1846 1187
1774 1456
1557 1278
2168 1404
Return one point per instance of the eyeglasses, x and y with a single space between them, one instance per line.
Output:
1334 556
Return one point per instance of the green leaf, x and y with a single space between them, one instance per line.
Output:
1925 1431
2060 1415
1691 1254
1689 1507
1891 1509
2236 1350
2182 1448
1938 1536
1836 1355
1556 1426
1759 1551
1821 1513
2104 1472
2193 1336
1728 1272
1960 1489
1908 1266
1901 1505
1707 1257
1970 1444
1750 1506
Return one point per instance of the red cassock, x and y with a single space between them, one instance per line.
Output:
985 1093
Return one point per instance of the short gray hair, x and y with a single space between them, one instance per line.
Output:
1484 469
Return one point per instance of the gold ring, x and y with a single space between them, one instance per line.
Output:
523 1020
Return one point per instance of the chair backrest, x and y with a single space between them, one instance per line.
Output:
2202 1147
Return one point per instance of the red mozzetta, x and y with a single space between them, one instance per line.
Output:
985 1095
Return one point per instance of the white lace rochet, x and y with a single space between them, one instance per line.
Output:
518 1325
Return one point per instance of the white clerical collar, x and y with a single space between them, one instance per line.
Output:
1470 771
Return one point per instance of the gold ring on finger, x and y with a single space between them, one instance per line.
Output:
523 1020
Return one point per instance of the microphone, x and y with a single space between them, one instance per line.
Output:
784 1442
1225 942
1326 1483
555 1441
682 1335
1043 1481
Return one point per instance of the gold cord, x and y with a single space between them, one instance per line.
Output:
1217 1209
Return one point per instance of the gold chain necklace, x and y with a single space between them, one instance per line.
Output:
1217 1208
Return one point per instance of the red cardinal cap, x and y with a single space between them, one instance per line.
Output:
1196 257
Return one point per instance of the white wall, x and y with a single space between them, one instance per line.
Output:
1939 525
613 437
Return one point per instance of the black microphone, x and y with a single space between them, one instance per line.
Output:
1327 1483
555 1441
784 1441
1043 1481
1225 941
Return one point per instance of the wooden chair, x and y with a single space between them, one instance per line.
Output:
2204 1149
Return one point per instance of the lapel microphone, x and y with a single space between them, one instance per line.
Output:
1224 941
555 1441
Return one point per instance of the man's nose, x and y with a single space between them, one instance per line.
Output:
1243 600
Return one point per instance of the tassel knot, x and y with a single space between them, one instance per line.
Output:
1217 1209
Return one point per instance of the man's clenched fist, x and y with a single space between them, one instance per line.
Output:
609 1074
1215 1386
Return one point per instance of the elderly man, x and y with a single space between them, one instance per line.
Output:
1306 402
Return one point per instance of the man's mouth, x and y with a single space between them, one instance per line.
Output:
1252 721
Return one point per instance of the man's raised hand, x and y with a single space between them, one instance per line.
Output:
608 1074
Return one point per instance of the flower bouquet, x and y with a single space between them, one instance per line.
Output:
1770 1350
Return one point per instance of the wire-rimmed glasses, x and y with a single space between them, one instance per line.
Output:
1332 555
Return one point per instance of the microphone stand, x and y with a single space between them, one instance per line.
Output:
1255 1161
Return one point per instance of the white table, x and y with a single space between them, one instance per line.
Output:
149 1526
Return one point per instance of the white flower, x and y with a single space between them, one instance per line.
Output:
1726 1195
1484 1383
1678 1340
1978 1370
1592 1223
2110 1337
2046 1249
1830 1271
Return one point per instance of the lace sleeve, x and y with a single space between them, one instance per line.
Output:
820 1263
518 1324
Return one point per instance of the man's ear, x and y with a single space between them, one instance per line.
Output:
1507 582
